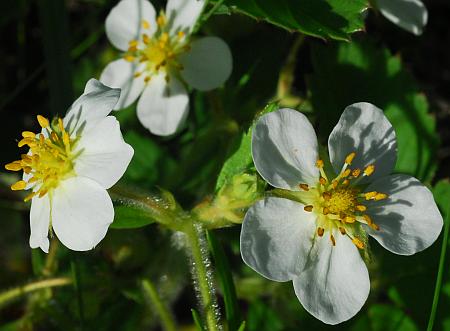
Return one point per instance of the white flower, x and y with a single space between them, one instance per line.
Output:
314 237
69 167
160 58
410 15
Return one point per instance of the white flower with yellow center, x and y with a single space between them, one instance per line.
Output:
160 59
410 15
314 234
69 167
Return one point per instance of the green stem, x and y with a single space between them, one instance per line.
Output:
200 263
437 290
17 292
153 297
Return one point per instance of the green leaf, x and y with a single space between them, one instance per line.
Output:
197 320
131 217
390 318
223 269
238 162
363 71
335 19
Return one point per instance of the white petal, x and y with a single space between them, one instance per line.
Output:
284 149
411 15
39 222
163 106
409 219
208 64
94 105
82 211
104 155
120 73
335 282
276 237
183 14
124 22
364 129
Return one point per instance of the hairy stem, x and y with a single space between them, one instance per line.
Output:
202 277
150 292
17 292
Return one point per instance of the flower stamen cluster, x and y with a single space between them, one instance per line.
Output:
339 203
159 51
49 161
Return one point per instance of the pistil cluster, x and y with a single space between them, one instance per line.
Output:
340 203
49 160
158 52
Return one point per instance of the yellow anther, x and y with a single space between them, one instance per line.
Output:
349 158
325 211
145 39
132 49
308 208
356 172
320 231
161 20
27 170
29 196
61 125
147 79
129 58
66 138
358 243
334 184
25 141
319 163
28 134
20 185
346 173
342 230
322 180
375 227
361 207
54 136
368 219
137 74
304 187
380 196
14 166
369 170
164 38
333 241
145 24
326 195
346 182
43 122
349 219
180 34
370 195
133 43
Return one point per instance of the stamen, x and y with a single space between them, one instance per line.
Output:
129 58
322 180
145 39
346 173
145 24
319 163
304 187
161 20
20 185
320 231
180 34
342 230
325 211
43 122
346 182
147 79
361 207
349 219
333 241
369 170
370 195
308 208
358 243
349 158
326 195
13 166
380 196
133 43
28 134
356 172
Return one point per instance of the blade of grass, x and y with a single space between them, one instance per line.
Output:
78 290
53 19
444 189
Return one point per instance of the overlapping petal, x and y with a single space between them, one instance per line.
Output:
103 154
163 106
121 74
411 15
208 64
124 22
39 222
276 237
334 284
409 219
285 150
183 14
364 129
81 213
95 104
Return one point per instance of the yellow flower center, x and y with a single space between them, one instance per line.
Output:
159 52
49 160
340 204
